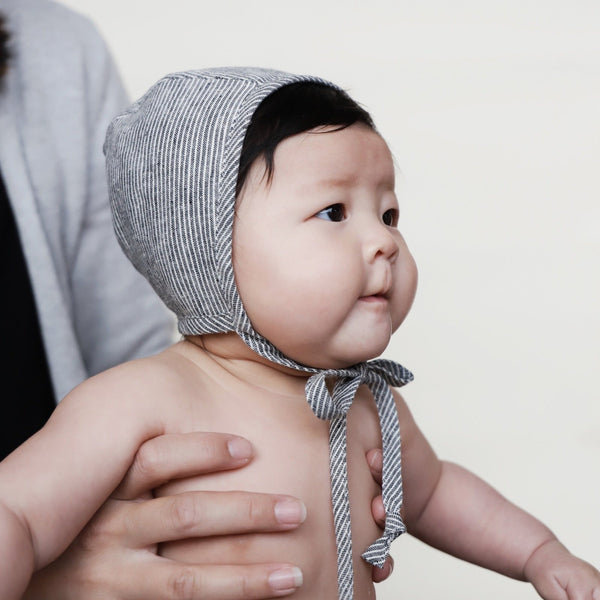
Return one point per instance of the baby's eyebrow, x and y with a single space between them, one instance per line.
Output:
337 182
351 180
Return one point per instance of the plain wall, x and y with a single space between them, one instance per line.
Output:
492 112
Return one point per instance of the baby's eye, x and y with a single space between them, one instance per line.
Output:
390 217
335 212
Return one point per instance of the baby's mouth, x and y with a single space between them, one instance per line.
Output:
374 298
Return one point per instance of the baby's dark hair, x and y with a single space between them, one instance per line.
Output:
293 109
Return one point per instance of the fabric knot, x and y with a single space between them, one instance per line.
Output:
328 405
391 372
379 375
378 551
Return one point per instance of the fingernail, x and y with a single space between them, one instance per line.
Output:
376 460
239 448
290 512
287 579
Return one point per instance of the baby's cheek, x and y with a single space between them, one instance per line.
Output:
404 294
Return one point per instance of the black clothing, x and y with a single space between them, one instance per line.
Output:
26 393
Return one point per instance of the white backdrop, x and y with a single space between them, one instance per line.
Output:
492 110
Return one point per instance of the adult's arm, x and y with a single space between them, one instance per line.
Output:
115 557
117 315
61 91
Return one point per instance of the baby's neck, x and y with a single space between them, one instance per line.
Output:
233 355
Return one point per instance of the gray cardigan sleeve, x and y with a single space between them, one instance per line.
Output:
61 91
118 316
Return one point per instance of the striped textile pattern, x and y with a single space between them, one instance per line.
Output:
172 164
379 375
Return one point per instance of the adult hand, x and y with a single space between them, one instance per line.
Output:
115 556
375 462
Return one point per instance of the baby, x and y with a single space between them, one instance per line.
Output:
260 205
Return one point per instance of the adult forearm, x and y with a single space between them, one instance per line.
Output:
469 519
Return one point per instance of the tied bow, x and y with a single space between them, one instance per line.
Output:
379 375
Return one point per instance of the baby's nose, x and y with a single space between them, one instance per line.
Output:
382 243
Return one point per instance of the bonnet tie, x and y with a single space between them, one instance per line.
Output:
379 375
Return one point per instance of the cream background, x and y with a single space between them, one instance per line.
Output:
492 110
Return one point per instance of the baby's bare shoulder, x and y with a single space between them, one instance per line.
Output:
405 417
140 391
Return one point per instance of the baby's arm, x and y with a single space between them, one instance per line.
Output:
16 554
453 510
52 484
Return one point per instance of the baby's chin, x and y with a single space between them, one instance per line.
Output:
342 360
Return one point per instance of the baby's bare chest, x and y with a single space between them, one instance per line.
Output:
291 444
292 458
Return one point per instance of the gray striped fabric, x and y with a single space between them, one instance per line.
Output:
172 165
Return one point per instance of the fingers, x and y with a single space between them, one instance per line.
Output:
202 514
176 581
378 511
375 462
155 578
174 456
385 571
114 556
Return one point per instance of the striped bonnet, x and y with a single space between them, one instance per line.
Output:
172 166
172 163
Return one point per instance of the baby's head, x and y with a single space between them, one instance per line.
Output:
280 179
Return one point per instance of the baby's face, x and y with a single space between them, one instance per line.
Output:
322 270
